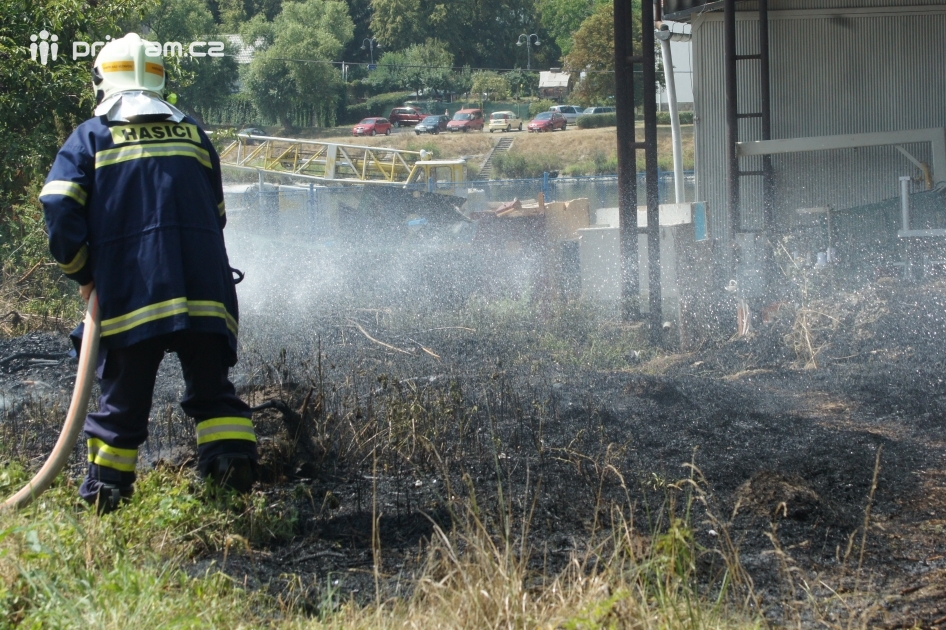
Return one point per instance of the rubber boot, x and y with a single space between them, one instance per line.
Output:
111 497
233 472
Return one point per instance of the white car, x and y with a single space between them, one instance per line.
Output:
504 121
570 112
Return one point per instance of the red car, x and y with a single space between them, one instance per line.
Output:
372 127
401 116
547 121
466 119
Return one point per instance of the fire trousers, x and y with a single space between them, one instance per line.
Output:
127 377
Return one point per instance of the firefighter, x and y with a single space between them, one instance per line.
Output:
134 209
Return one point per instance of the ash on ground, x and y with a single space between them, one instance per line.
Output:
407 418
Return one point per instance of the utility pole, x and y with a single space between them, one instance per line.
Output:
627 145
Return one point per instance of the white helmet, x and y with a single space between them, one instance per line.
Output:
126 64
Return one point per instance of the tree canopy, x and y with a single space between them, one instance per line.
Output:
481 33
40 104
420 67
492 84
563 17
593 53
292 69
201 83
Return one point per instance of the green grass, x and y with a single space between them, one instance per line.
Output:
62 566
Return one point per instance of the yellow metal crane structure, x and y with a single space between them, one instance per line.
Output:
331 162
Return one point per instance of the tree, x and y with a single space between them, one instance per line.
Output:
231 14
292 70
593 54
426 66
201 83
41 104
491 83
522 83
481 33
430 66
562 18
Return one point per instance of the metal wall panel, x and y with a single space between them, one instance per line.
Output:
855 72
694 7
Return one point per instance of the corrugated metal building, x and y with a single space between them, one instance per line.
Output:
836 67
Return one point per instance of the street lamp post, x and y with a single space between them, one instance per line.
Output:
372 43
527 40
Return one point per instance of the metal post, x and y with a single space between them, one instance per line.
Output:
627 159
664 37
768 182
648 44
261 201
732 118
905 202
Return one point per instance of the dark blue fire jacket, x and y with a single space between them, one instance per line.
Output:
138 208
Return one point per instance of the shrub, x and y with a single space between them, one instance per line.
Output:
378 105
538 107
686 118
525 166
601 163
593 121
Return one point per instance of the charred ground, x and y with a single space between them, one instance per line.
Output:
411 424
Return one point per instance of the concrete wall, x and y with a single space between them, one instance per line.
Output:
837 70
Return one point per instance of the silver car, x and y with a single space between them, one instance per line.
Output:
570 112
598 110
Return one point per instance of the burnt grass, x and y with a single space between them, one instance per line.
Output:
376 432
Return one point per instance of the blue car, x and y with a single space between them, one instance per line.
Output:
431 124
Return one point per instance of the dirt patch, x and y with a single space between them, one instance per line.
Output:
774 496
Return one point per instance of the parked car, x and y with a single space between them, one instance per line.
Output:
570 112
252 131
372 127
504 121
401 116
547 121
598 110
432 124
466 119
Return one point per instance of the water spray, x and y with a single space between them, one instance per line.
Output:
75 417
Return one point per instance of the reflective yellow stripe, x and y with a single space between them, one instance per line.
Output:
76 264
138 151
143 315
203 308
101 454
65 188
233 428
222 208
169 308
154 68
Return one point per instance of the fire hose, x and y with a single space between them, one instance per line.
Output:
88 353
